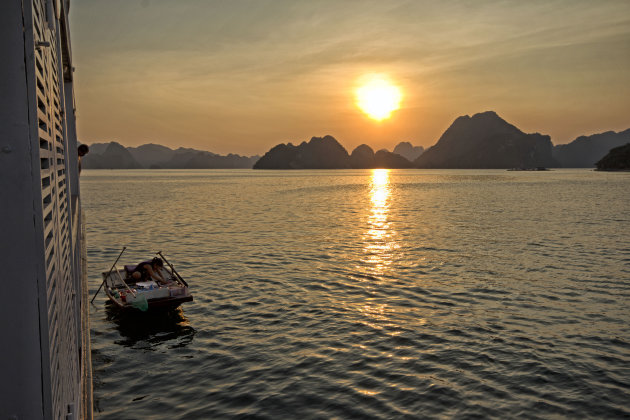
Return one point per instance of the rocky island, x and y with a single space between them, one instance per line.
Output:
618 159
486 141
408 151
326 153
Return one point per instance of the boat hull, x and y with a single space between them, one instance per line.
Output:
159 304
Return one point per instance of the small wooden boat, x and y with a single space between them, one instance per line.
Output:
127 293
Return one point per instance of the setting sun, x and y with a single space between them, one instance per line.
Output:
378 98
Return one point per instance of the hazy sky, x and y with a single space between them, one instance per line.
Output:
242 76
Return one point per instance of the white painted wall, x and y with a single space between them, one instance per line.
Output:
22 264
43 315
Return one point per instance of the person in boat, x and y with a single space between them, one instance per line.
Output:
149 270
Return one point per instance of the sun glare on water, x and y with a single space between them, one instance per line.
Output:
378 98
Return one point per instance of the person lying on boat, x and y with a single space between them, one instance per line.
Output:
149 270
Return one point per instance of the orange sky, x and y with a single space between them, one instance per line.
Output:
242 76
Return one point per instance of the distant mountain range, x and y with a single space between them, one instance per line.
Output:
154 156
585 151
483 141
326 153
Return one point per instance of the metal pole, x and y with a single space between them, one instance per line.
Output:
125 283
110 271
172 268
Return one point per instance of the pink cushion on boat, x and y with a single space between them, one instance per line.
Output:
130 268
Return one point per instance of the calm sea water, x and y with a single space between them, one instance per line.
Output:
367 294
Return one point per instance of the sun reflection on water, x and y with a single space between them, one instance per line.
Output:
380 249
379 240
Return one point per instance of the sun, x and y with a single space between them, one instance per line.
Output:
378 98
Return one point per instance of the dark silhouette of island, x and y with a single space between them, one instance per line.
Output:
151 155
326 153
363 157
319 153
386 159
486 141
154 156
483 141
584 151
109 156
408 151
618 159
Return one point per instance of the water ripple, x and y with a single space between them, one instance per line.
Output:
359 294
